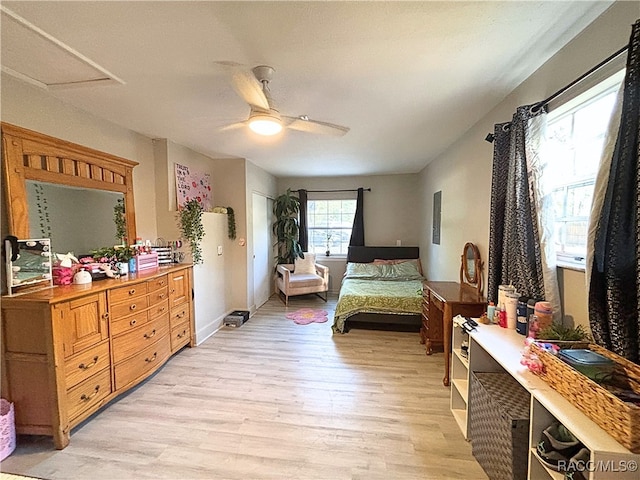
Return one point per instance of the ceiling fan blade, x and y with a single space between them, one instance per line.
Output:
246 84
233 126
304 124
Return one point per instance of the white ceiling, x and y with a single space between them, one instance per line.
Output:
408 78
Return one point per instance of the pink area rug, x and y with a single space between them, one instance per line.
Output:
305 316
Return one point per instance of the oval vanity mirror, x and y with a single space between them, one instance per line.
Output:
471 266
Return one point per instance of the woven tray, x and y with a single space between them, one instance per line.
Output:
619 419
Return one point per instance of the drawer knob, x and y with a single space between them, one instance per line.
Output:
180 315
149 335
132 291
105 315
133 322
161 296
180 335
83 366
132 307
152 358
86 397
161 309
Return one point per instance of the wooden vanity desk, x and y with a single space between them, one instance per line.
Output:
441 302
69 350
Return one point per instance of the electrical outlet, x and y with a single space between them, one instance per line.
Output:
219 249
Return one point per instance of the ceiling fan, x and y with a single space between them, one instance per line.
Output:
264 117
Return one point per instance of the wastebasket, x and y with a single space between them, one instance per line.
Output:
7 429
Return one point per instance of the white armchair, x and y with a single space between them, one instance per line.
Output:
303 277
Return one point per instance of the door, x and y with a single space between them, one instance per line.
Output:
261 249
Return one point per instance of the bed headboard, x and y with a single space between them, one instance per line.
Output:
369 254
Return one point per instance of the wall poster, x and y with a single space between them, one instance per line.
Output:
192 184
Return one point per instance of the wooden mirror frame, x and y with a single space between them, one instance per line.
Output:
474 280
29 155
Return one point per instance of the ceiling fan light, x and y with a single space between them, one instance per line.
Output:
265 124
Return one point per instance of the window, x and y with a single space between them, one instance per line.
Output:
575 139
329 223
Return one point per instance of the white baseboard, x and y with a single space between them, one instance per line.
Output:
206 331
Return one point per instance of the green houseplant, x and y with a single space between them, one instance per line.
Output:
190 223
285 227
231 223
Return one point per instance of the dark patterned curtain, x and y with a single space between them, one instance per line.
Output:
501 145
303 234
357 233
516 255
614 277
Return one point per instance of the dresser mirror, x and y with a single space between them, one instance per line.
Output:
76 220
471 266
64 191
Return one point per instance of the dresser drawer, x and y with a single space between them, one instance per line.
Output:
179 314
158 309
132 342
89 393
148 359
130 307
158 296
180 335
123 294
125 324
83 365
158 283
436 302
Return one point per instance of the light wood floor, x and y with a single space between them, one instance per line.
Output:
273 400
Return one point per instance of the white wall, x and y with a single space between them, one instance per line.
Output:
463 172
211 296
390 208
31 107
212 293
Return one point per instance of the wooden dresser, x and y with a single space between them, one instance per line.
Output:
69 350
441 302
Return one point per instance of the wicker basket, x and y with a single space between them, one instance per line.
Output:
620 419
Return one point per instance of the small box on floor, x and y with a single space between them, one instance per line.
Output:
236 318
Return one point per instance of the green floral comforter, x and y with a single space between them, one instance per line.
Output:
377 296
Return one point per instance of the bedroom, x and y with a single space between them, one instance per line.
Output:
462 172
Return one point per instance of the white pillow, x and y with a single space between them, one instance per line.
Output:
306 265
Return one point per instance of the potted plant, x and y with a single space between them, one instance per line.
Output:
328 252
190 224
564 337
285 227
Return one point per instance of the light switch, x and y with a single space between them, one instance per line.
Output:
219 249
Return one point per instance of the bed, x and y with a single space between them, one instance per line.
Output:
382 288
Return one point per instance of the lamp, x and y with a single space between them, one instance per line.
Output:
265 122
